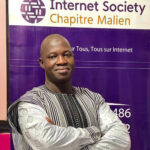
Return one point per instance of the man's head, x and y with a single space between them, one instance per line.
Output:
57 58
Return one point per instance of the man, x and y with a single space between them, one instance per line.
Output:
58 116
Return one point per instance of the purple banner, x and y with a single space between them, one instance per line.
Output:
112 62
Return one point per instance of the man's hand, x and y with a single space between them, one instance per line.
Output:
51 122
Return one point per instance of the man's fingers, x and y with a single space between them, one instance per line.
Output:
51 122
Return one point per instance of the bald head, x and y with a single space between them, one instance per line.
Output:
53 40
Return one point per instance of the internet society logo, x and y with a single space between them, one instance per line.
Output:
33 11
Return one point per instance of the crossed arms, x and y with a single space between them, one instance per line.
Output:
40 133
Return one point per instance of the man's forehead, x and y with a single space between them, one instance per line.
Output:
52 41
52 44
56 42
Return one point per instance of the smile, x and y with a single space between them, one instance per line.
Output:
62 70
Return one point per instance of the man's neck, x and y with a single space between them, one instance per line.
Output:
65 87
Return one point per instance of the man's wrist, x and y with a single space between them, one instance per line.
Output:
95 133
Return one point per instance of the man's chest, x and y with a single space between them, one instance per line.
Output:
71 110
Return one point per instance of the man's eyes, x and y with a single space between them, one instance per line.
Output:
52 57
68 54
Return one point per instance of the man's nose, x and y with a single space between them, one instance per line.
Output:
61 60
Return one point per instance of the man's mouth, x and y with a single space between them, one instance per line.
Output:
62 70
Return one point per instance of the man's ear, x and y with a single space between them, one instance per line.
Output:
41 62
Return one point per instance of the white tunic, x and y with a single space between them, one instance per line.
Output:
108 133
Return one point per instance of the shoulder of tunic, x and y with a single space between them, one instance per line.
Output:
33 96
92 95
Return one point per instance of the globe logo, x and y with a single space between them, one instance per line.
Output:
33 11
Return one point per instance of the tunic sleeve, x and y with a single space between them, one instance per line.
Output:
115 134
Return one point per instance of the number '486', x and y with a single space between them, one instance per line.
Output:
121 112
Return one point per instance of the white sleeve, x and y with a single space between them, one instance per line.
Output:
41 135
115 136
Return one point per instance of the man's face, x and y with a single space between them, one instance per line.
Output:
58 61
